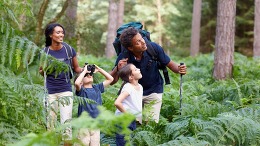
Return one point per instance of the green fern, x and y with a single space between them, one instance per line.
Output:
229 129
11 50
145 138
253 114
186 141
103 121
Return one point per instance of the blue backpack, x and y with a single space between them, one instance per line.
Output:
146 36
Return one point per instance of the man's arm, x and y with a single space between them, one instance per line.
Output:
176 68
114 72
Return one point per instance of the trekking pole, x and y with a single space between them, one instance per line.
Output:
45 101
181 89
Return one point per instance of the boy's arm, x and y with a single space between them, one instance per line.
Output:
108 77
78 82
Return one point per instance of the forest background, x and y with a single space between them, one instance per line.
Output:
214 112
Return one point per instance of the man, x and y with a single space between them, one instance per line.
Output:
152 80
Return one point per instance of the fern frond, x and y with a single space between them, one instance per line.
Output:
238 90
10 13
177 128
3 50
145 138
2 25
34 49
22 98
6 29
186 141
12 50
18 57
106 140
251 113
8 132
227 129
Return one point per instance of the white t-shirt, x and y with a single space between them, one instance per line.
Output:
132 103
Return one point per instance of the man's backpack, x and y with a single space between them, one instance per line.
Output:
69 53
146 36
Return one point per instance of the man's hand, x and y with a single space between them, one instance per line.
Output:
182 69
121 63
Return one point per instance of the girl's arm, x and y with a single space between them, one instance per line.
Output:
119 100
108 77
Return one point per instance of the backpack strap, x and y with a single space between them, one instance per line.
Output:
69 52
151 51
69 55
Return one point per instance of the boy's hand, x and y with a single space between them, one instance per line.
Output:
85 68
97 68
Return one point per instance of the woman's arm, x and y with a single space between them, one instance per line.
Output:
76 66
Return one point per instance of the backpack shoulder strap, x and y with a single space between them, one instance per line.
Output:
69 55
150 49
45 49
69 51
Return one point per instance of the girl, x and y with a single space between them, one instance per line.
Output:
130 97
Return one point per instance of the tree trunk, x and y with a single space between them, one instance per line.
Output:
112 27
120 18
225 34
256 50
195 34
39 29
40 20
71 19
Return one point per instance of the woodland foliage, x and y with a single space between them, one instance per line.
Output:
213 112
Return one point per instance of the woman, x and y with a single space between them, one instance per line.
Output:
59 86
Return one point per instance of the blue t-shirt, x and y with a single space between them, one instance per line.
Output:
152 80
93 94
61 83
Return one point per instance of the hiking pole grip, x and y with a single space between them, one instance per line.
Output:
181 64
181 89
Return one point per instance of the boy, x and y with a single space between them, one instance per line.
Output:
85 88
